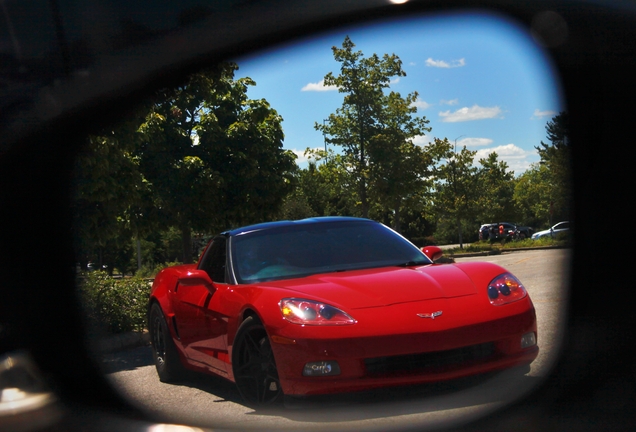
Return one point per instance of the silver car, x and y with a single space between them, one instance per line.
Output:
552 232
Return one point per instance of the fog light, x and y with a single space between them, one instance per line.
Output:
322 368
528 340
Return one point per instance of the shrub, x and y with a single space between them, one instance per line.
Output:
423 241
480 246
117 305
149 271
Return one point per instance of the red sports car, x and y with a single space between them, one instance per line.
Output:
334 304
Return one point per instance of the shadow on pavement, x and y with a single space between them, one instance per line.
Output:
129 359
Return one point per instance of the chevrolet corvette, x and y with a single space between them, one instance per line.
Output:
334 304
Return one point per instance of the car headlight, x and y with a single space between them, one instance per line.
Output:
309 312
505 289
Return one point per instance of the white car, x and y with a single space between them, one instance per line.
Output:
552 232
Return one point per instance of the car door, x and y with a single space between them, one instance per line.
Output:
201 325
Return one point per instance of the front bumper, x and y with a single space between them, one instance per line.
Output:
392 360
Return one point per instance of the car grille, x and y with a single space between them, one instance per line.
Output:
431 361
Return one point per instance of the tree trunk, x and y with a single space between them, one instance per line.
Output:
138 252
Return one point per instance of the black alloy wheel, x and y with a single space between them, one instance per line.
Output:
164 351
254 367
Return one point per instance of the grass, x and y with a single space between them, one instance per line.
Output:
498 247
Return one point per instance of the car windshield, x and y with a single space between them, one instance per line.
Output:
309 248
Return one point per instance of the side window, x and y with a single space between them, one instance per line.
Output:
214 260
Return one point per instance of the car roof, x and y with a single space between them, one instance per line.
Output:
278 224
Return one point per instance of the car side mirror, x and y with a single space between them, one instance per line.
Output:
197 277
433 252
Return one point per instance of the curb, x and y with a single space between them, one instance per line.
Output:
503 251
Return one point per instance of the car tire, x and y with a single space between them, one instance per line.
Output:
164 351
254 366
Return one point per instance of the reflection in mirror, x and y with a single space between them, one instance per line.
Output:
449 130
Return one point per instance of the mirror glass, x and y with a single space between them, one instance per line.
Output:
482 171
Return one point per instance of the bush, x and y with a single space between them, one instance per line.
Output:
423 241
480 246
117 305
150 270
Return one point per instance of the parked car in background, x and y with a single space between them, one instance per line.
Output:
503 231
552 232
524 232
484 231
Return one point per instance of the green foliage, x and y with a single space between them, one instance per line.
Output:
326 185
457 196
150 269
497 247
398 169
118 305
203 157
532 195
497 186
543 193
555 155
375 131
108 190
200 157
446 231
213 156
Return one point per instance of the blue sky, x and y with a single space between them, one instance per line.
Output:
481 81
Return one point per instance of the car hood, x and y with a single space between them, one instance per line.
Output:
382 287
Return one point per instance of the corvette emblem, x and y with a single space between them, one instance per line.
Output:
430 315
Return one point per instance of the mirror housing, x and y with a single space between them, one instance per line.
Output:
433 252
197 277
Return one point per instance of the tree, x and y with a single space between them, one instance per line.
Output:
398 168
532 195
556 157
108 189
457 194
497 186
363 81
326 184
214 157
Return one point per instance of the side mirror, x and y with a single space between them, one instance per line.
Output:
197 277
433 252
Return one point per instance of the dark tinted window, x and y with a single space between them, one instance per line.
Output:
214 260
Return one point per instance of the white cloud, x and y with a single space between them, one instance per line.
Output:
449 102
508 151
474 142
516 157
421 140
395 81
420 104
444 64
538 114
319 87
468 114
301 158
